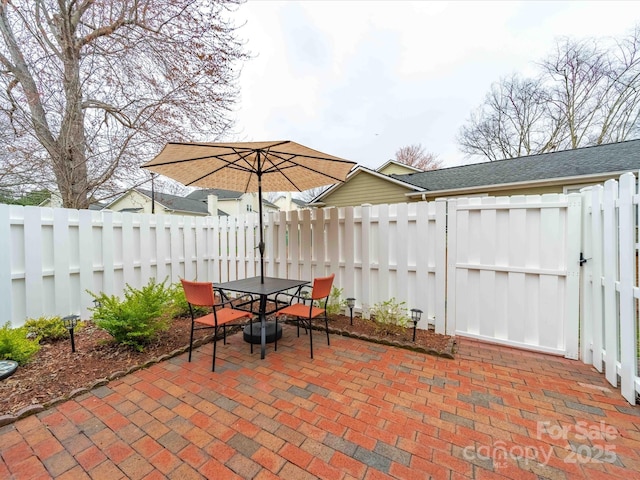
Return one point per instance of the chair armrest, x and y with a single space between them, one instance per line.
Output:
226 301
287 298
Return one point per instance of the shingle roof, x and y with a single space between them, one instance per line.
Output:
174 202
612 157
202 194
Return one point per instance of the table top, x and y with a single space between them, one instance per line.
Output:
253 285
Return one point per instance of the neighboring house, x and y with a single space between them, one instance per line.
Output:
366 186
139 200
286 203
234 203
555 172
55 201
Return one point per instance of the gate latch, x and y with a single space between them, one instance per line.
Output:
582 259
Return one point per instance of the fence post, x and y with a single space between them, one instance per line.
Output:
6 290
365 246
610 275
451 253
596 277
628 261
572 318
440 265
348 253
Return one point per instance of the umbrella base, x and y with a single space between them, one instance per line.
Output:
251 333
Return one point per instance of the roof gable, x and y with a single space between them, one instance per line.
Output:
392 166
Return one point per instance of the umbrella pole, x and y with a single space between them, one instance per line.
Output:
261 244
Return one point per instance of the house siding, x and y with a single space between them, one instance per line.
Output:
395 169
133 200
365 188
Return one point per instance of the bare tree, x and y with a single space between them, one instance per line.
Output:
308 195
585 94
415 156
516 119
91 88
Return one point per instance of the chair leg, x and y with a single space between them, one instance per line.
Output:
251 332
326 327
215 342
311 338
275 347
191 339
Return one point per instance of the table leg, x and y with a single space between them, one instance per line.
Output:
263 325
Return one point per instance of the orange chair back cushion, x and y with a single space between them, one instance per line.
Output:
322 287
198 293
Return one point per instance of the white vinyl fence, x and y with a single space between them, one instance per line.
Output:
50 259
501 269
610 293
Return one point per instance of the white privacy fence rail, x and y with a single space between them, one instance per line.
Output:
610 293
51 258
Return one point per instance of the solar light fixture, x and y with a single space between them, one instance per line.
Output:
416 313
97 303
70 322
351 302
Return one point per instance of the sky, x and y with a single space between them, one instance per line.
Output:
361 79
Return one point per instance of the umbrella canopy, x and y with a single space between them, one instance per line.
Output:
278 166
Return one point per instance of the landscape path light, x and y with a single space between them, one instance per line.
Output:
70 322
351 302
416 313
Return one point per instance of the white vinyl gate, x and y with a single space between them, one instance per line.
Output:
610 292
513 271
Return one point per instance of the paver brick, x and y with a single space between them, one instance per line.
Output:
357 411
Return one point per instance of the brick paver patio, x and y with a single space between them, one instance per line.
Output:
357 411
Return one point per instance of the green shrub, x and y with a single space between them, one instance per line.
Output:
390 317
48 329
137 319
14 344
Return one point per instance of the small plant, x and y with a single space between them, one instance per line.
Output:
137 319
47 329
390 317
335 305
14 344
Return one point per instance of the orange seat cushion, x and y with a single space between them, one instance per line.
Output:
225 315
301 310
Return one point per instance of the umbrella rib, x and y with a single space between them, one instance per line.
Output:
277 168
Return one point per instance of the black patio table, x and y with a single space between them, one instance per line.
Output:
254 286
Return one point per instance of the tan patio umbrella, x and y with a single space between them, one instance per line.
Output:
278 166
